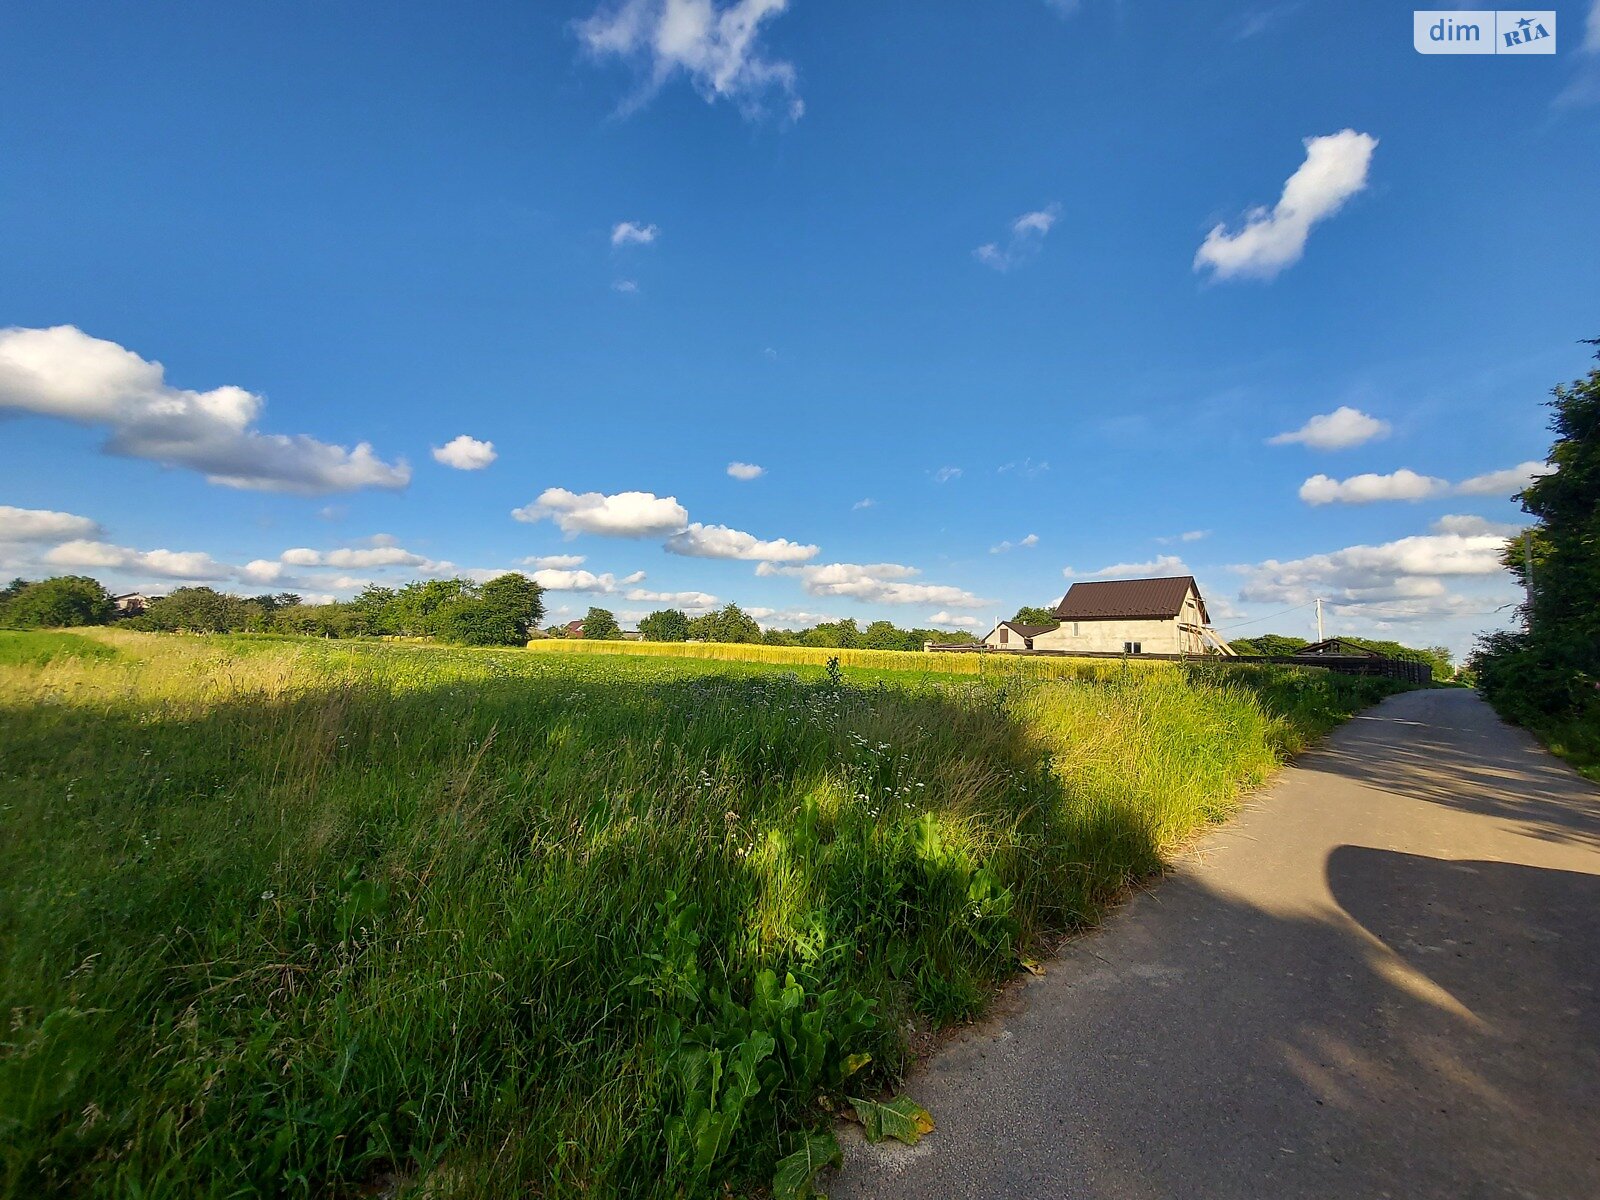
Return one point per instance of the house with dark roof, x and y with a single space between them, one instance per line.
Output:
1014 635
1132 616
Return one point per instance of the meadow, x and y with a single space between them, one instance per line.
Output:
307 918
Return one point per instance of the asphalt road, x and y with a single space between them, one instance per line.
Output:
1383 979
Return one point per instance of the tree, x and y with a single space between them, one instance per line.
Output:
61 601
517 599
601 625
729 623
412 611
1030 615
668 625
469 622
202 610
882 635
1548 674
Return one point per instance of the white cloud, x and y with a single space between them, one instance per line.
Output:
690 601
874 583
864 502
626 286
718 541
625 514
1470 526
745 471
261 571
1192 535
627 233
1031 540
1026 239
63 372
717 48
555 580
1405 576
559 562
360 559
1342 428
952 619
1334 170
946 474
43 525
465 453
1504 483
168 564
785 618
1162 565
1025 467
1365 489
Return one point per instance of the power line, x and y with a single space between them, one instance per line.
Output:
1268 617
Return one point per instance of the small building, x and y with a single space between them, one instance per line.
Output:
574 629
1335 646
1133 616
1013 635
131 604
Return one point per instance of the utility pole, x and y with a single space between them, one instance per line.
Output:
1319 619
1527 572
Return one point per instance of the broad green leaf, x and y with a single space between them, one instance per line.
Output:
901 1118
796 1173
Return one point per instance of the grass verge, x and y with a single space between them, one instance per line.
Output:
327 919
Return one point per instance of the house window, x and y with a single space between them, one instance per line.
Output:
1133 647
1074 629
1003 632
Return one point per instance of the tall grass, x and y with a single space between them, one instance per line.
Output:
307 919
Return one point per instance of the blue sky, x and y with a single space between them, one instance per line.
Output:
1026 270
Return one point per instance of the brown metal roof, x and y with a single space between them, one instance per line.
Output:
1109 599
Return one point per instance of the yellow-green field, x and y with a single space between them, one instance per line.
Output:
288 917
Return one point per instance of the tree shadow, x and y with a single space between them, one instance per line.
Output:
1435 1032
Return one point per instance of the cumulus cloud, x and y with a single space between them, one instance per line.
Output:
1403 577
1470 526
628 233
691 601
1161 566
1342 428
785 618
168 564
43 525
745 471
559 562
718 541
1365 489
717 47
1504 483
465 453
874 583
63 372
1334 170
864 502
1025 240
1000 548
360 559
956 620
556 580
625 514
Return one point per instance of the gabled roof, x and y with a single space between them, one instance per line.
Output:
1029 631
1109 599
1336 646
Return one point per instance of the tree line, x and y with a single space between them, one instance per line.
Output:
1546 675
504 611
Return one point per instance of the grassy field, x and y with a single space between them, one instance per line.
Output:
345 919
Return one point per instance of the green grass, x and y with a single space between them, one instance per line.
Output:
37 647
328 919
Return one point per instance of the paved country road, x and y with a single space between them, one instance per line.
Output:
1383 979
